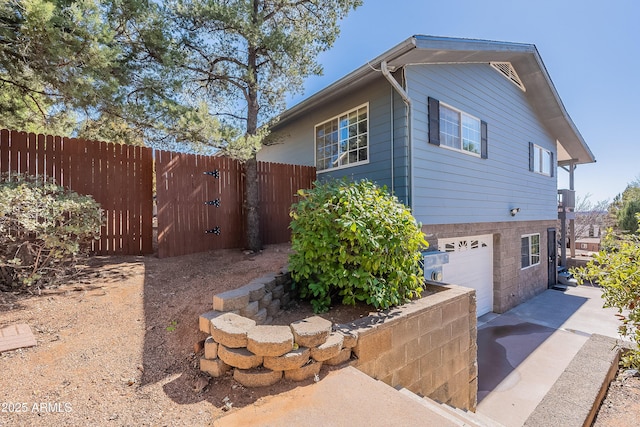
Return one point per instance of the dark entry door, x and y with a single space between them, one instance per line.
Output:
552 261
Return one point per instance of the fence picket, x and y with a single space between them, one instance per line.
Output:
4 151
120 179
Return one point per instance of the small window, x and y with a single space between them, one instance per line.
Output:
343 140
530 250
459 130
540 160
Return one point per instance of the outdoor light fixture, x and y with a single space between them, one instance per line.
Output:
514 211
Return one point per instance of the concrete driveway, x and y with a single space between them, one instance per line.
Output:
522 352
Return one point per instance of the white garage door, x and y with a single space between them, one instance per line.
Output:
471 265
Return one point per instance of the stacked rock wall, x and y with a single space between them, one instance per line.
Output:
259 300
427 346
263 354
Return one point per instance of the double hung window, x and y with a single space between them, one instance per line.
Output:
530 250
459 130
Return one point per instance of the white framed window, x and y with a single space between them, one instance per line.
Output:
540 160
343 141
459 130
530 250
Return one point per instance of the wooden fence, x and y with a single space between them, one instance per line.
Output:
200 201
279 184
183 217
119 177
196 211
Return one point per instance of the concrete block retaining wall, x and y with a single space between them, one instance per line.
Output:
427 346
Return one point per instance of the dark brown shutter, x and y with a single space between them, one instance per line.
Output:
552 165
531 157
434 121
483 140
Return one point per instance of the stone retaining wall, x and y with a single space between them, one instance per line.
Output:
427 346
259 300
264 354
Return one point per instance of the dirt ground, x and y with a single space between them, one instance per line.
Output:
116 346
621 406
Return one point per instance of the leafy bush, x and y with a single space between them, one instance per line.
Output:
617 269
357 242
43 228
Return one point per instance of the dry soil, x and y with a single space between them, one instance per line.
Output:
116 346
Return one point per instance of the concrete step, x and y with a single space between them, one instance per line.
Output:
345 397
457 416
479 419
436 408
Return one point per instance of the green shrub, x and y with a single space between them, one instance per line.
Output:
617 269
43 228
356 242
627 216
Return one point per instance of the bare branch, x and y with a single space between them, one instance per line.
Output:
28 89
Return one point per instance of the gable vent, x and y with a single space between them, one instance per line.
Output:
507 70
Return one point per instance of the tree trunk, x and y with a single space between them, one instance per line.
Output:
251 190
251 205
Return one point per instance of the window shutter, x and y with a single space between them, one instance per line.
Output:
531 157
434 121
553 166
483 140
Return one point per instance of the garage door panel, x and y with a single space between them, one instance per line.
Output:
471 265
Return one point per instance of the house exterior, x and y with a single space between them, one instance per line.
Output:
470 135
588 244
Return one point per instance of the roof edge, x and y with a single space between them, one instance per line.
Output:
350 78
400 55
564 111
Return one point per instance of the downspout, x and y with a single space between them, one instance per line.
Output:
393 141
405 97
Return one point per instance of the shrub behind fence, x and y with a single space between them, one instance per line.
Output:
119 177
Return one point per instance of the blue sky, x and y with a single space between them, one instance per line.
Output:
591 50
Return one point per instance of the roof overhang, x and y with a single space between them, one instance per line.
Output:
421 49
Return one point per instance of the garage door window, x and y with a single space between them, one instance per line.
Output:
530 250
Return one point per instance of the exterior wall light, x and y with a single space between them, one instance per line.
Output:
514 211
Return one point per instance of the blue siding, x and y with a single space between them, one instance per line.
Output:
296 140
401 161
451 187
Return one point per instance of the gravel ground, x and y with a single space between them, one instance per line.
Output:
621 406
116 347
